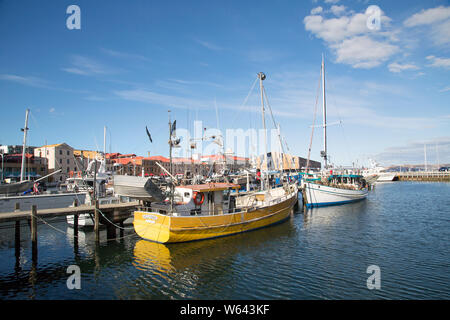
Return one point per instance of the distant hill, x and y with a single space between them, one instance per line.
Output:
416 167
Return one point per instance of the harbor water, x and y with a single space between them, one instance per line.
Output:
403 228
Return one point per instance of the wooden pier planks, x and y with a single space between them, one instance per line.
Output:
47 213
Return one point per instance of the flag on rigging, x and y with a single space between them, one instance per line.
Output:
148 133
173 129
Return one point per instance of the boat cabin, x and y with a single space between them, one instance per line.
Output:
86 184
352 181
201 199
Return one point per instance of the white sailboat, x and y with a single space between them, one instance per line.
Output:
332 189
12 193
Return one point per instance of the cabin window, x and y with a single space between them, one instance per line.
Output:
187 194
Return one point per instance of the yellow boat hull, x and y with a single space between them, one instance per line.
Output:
169 229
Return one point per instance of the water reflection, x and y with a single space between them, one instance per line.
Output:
168 257
196 267
323 216
321 253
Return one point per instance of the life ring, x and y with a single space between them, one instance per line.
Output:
198 198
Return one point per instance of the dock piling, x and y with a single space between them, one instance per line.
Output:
96 221
75 228
34 230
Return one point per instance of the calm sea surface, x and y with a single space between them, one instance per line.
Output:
403 227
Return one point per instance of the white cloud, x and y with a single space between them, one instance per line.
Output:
317 10
353 42
439 62
363 52
437 19
26 80
125 55
151 97
52 110
428 16
445 89
337 10
208 45
87 67
396 67
413 152
440 33
331 1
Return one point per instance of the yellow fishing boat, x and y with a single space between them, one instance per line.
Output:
211 210
204 211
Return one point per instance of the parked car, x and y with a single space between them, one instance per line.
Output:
444 169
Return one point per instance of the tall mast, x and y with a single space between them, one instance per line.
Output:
170 168
25 129
262 77
104 142
324 154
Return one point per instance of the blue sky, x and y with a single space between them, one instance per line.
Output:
131 61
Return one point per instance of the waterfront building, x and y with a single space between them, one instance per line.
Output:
286 162
35 167
58 156
16 149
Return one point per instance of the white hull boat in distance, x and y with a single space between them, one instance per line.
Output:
322 195
87 220
386 177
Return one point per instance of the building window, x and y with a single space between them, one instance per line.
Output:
60 161
60 152
68 161
68 153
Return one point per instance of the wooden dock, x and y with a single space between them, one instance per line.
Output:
438 176
48 213
109 215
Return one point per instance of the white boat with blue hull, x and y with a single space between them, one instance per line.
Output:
321 195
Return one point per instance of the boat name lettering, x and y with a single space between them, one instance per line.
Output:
149 218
